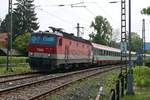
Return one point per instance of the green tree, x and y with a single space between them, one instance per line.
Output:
5 25
102 31
146 11
21 42
24 18
136 41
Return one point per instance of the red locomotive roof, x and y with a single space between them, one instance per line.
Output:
66 35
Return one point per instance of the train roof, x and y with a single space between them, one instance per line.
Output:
80 39
103 47
66 35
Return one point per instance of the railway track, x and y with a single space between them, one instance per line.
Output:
18 80
8 80
14 75
47 85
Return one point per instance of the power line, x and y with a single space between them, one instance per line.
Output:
59 18
89 11
98 6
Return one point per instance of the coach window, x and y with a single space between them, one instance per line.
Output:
100 52
113 53
97 52
117 54
107 53
103 52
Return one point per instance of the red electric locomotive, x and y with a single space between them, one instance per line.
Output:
52 50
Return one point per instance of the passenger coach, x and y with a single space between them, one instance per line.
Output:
105 55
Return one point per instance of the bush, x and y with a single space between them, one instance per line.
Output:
147 62
15 60
141 76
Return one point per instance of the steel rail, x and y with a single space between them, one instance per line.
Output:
15 79
9 89
19 74
38 97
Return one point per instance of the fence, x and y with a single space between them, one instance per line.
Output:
121 86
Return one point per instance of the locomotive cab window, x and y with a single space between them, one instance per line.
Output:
43 39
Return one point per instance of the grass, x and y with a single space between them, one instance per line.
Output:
88 88
15 65
16 69
3 59
142 84
142 76
140 94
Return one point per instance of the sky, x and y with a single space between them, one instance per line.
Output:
67 17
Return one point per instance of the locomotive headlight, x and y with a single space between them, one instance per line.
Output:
49 55
30 53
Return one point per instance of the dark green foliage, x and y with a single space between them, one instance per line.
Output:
5 25
14 60
141 76
114 44
24 18
24 21
147 52
147 62
146 11
136 41
102 31
21 42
